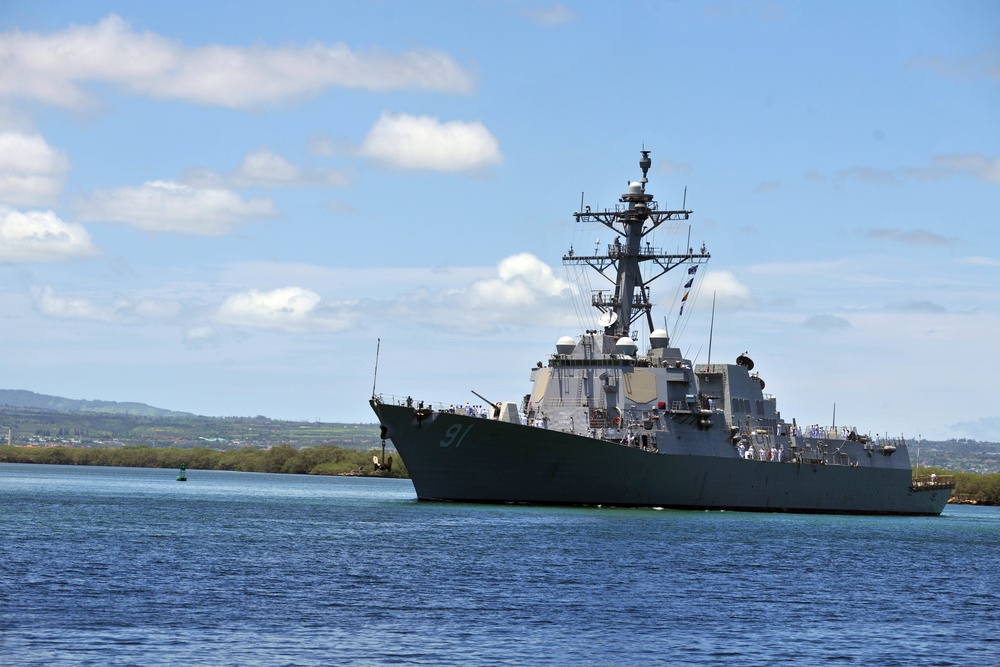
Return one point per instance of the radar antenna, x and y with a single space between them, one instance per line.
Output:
636 215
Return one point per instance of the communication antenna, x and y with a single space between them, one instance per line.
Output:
711 330
378 345
695 360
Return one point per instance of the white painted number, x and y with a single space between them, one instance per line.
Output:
452 433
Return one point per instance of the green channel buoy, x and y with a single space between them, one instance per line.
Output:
182 476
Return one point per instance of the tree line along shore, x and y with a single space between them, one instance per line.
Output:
970 488
321 460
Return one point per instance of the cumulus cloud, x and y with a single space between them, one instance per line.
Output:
402 141
729 291
116 309
31 171
521 279
73 308
292 309
40 236
165 206
54 68
524 291
267 169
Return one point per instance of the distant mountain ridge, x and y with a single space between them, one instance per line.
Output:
20 398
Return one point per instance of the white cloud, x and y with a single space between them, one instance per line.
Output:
556 14
165 206
31 171
728 289
986 169
54 68
202 337
115 309
267 169
293 309
980 166
522 280
40 236
73 308
525 292
402 141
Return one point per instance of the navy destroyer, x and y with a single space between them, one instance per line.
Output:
607 425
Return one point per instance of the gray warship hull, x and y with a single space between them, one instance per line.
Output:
454 457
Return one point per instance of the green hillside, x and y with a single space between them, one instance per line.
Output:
42 427
19 398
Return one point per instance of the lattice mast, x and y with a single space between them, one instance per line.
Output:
633 218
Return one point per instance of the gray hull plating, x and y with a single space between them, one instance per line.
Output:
460 458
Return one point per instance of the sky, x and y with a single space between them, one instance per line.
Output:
237 209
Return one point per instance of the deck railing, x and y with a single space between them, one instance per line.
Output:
934 482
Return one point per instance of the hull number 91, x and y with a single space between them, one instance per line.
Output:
454 436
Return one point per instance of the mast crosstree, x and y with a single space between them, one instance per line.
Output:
636 215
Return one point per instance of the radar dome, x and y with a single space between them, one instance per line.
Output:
625 345
635 188
565 345
659 339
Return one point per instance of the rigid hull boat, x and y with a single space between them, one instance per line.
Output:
605 425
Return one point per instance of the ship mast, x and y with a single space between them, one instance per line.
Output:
633 218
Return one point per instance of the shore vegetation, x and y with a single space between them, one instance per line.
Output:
321 460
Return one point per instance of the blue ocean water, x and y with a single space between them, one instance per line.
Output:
121 566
